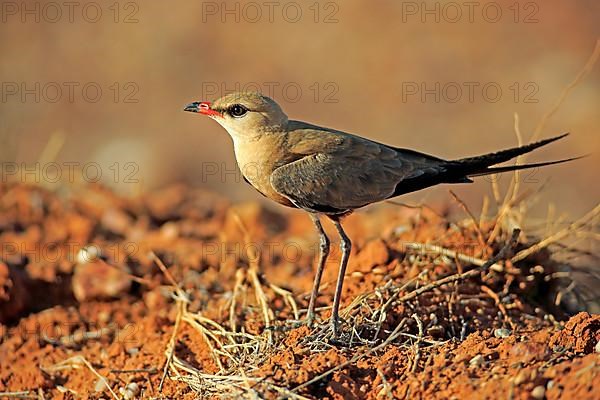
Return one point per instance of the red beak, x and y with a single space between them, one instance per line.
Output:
202 107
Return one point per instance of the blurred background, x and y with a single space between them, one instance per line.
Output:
96 89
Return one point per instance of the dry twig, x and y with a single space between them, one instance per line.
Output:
465 275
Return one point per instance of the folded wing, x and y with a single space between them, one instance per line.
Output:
340 172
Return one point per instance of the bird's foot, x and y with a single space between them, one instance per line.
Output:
310 319
335 328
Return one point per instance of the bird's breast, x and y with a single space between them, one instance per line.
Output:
257 160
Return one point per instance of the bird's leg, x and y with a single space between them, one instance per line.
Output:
323 253
345 246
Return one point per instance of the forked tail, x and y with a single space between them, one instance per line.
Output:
465 168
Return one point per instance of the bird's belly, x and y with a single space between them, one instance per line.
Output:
267 190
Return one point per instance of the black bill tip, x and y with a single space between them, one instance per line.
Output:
193 107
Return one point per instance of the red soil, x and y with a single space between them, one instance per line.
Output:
115 311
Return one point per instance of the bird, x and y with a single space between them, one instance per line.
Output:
329 173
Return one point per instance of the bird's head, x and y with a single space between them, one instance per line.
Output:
243 114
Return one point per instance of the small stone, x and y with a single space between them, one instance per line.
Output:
103 316
537 269
379 271
169 231
400 229
132 351
61 389
521 378
538 392
130 391
476 361
550 384
433 318
100 386
597 348
502 333
88 254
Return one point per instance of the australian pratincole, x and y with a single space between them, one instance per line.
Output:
328 172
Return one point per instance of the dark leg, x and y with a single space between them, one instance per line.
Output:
345 245
324 252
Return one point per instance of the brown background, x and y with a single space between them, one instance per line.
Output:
175 52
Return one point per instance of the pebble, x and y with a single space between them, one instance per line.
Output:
502 333
103 316
88 254
597 348
379 271
521 378
62 389
477 360
433 318
538 392
399 230
537 269
169 231
100 386
130 391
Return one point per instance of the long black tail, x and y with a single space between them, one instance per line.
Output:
484 164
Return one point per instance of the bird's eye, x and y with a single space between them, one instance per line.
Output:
237 110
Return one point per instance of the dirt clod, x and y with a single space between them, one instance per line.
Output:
581 334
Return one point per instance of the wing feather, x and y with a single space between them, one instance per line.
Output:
338 172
